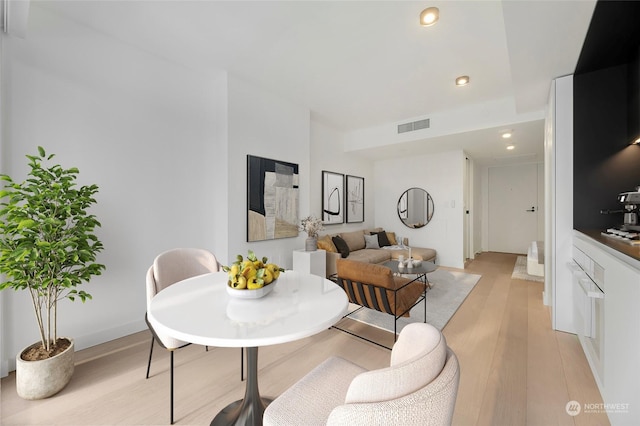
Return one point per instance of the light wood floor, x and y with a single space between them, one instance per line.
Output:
514 369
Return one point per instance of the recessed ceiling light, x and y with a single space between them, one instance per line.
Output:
511 147
463 80
507 134
429 16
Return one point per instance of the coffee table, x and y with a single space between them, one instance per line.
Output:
199 310
419 271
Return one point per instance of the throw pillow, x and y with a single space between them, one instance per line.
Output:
354 239
325 243
392 238
383 240
342 246
371 242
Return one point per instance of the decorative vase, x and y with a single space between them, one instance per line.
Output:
42 379
311 244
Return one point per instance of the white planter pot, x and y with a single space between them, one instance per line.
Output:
42 379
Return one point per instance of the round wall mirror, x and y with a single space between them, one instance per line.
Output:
415 207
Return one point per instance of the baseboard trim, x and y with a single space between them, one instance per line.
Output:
88 340
106 335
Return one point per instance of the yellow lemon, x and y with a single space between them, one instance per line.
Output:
268 276
249 272
242 282
235 269
238 283
275 270
255 283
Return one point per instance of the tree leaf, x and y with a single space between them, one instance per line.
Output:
26 223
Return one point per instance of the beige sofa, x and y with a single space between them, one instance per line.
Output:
358 251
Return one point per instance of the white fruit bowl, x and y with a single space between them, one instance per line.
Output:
246 293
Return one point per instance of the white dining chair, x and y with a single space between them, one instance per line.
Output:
168 268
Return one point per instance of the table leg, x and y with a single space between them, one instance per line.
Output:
425 280
249 410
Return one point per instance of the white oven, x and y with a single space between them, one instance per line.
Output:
588 298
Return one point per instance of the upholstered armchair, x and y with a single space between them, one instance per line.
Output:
374 286
418 388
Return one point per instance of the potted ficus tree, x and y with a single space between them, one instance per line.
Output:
47 247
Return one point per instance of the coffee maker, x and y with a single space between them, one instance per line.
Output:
629 231
631 201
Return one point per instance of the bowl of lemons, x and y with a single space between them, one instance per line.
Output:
250 277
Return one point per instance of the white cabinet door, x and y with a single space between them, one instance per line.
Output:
622 342
620 384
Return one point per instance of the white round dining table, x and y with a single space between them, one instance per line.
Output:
199 310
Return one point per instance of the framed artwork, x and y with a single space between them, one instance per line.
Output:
355 199
272 199
333 210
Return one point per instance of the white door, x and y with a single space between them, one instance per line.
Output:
513 208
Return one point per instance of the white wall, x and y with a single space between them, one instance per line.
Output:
143 130
441 175
262 124
4 363
167 147
479 204
484 193
558 146
327 153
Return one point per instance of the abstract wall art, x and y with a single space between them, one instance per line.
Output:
272 199
333 209
355 199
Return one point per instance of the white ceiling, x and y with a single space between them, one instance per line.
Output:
360 64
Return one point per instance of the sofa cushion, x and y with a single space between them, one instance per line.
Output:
354 239
326 243
341 245
383 240
371 241
392 238
370 255
423 253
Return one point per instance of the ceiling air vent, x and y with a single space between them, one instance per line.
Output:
416 125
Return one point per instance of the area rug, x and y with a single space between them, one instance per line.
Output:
448 290
520 271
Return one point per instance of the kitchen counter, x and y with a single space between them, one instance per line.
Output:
627 253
